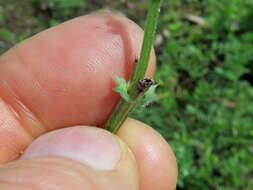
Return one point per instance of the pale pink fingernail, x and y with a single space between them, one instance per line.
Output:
91 146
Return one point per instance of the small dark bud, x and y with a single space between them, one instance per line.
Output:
144 84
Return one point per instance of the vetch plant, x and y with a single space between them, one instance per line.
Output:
138 88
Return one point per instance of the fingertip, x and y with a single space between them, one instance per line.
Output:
78 157
60 76
68 70
153 155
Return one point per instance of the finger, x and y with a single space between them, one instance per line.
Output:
73 158
155 159
61 76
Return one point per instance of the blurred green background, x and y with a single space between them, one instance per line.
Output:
204 106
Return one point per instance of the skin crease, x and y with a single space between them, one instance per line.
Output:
57 77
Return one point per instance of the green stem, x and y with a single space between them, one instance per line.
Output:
124 108
120 114
149 35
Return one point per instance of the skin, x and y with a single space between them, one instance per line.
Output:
61 78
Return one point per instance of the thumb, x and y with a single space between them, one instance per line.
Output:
73 158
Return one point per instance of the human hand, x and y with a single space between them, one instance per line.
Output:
61 78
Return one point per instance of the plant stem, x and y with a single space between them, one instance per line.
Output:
124 108
120 114
149 35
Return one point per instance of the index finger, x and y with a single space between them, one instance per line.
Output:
63 77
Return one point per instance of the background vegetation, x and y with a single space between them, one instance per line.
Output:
204 106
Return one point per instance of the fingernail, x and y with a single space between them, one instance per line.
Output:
91 146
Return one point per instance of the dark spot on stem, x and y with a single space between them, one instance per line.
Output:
144 84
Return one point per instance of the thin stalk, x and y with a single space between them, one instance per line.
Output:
120 114
137 84
149 34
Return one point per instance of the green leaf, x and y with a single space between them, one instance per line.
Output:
122 87
149 95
